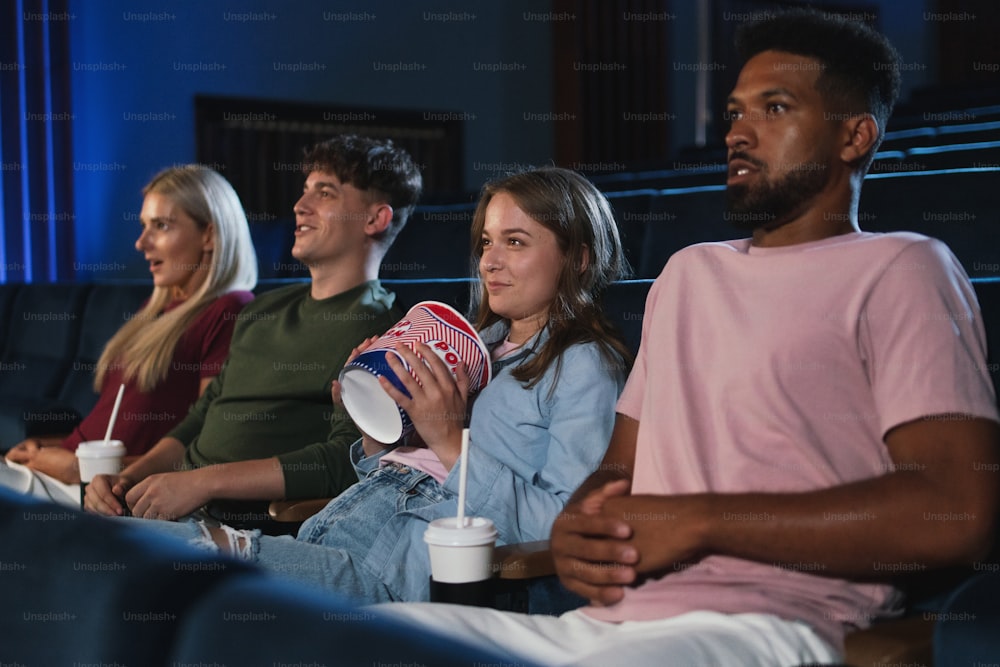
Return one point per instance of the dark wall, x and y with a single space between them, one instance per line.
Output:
137 66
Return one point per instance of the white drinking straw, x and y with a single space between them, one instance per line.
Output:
462 477
114 413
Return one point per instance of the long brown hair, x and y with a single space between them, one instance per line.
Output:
144 347
573 209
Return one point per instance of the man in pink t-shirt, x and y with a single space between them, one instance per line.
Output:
809 414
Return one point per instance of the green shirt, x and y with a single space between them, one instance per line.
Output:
272 397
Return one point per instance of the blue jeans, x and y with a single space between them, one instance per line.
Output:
333 549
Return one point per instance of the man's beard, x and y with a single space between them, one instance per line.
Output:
770 204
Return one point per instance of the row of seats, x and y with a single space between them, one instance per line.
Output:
660 211
958 206
82 590
116 598
56 333
708 168
941 134
952 132
49 349
930 158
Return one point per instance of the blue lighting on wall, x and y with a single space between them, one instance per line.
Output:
27 264
36 231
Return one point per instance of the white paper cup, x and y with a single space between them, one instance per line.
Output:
438 326
461 555
97 458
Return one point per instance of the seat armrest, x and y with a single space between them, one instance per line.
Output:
295 511
899 641
525 560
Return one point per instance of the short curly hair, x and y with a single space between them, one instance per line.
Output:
860 68
371 165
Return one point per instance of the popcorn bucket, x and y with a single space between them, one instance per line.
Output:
438 326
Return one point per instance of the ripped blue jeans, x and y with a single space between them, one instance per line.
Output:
334 548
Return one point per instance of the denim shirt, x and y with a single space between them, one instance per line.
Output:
529 449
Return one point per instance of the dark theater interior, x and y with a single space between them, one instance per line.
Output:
99 96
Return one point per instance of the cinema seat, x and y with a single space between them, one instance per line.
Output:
256 620
80 589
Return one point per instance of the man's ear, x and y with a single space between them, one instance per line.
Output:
861 133
381 218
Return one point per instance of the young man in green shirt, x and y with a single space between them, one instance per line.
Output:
266 427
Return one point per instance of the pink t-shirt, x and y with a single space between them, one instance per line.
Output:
780 370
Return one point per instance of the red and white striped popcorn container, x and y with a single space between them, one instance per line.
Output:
438 326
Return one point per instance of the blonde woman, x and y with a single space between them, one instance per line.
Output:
194 235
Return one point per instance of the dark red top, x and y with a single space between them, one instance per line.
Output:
145 417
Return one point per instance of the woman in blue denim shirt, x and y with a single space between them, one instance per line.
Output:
547 245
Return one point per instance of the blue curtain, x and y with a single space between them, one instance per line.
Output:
36 197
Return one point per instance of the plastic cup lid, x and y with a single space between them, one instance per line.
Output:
96 449
445 532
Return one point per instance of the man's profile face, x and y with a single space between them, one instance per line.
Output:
781 140
330 219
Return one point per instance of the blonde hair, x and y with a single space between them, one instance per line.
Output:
144 347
